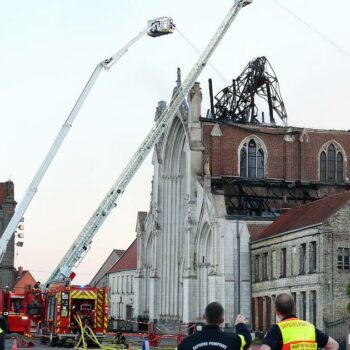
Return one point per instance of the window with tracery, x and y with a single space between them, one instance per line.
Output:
252 160
331 164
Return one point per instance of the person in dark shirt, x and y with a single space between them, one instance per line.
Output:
212 338
292 333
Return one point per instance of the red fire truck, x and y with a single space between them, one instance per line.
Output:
63 303
13 307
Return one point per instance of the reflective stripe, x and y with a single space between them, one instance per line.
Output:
297 334
1 331
243 342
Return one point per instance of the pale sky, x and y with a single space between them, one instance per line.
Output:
50 48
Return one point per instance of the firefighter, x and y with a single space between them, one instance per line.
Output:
292 332
211 337
37 286
17 307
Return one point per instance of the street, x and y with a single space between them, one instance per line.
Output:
37 345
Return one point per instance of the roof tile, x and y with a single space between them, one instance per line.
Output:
256 229
128 261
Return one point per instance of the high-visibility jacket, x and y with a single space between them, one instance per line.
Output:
297 334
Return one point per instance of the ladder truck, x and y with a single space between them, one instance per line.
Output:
155 28
82 243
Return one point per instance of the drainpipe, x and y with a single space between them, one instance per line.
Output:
238 266
251 285
332 286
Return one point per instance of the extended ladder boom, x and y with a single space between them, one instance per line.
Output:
82 243
152 27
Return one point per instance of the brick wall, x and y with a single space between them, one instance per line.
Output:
293 153
26 281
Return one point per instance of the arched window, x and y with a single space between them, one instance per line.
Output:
331 164
340 167
260 164
323 166
243 162
252 160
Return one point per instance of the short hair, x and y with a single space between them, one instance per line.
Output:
285 304
214 312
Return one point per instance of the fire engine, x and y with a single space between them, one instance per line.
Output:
62 304
13 307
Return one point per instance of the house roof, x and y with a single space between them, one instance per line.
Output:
305 215
25 275
106 266
256 229
128 260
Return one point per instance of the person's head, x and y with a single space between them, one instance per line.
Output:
284 305
214 313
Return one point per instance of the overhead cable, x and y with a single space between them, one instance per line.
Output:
315 30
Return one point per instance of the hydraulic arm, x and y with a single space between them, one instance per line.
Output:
157 27
82 243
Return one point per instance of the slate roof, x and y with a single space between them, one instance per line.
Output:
305 215
128 261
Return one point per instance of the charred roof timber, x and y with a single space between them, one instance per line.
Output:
238 102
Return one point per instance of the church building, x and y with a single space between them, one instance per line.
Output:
220 178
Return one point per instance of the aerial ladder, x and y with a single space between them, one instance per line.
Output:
155 28
82 243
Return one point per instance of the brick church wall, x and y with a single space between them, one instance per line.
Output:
293 154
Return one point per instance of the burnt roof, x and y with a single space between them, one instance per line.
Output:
305 215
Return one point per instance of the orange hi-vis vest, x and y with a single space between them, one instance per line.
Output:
297 334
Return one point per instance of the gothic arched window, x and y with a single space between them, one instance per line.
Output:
252 160
323 166
243 162
331 164
340 167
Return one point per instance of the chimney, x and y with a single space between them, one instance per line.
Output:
20 271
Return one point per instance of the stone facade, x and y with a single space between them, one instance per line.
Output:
209 196
121 286
311 263
121 294
7 209
187 248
